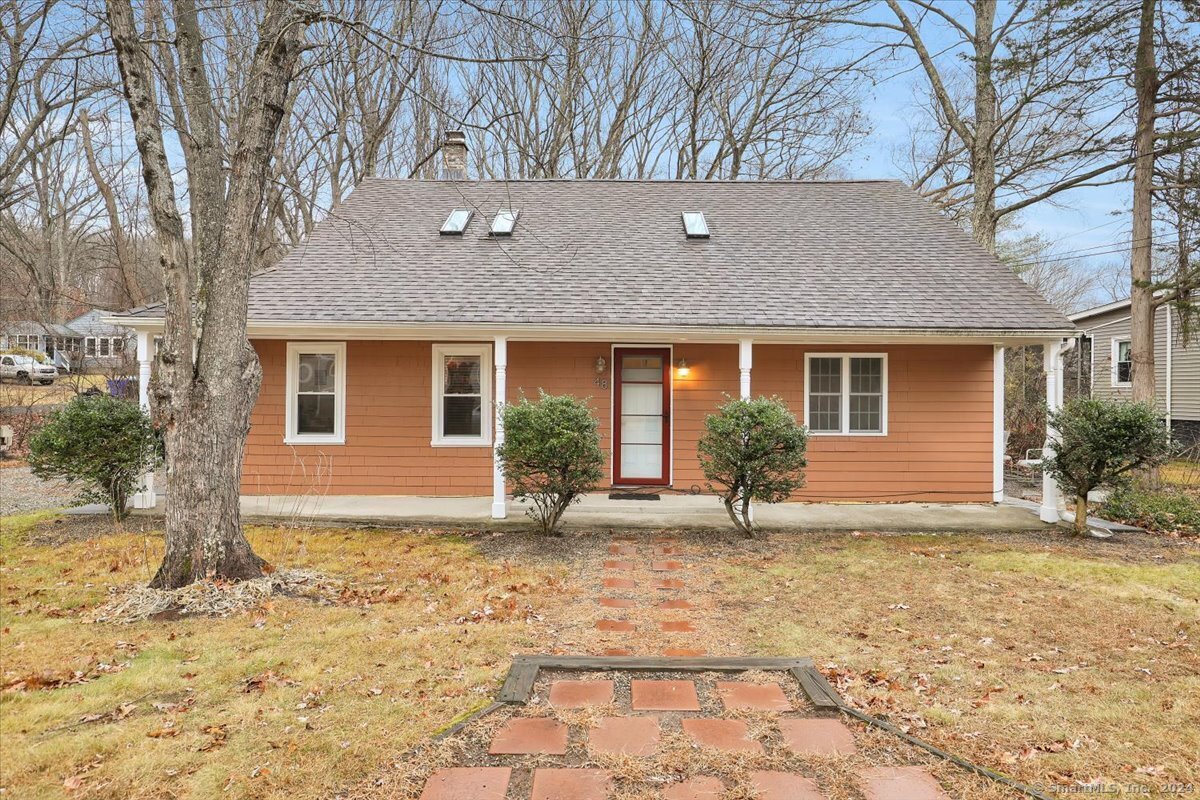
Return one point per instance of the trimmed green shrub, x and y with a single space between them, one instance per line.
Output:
1166 510
551 454
1101 443
752 450
100 445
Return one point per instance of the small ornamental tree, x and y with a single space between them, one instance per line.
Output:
100 445
1101 443
551 454
752 450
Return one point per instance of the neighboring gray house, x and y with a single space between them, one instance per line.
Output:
104 347
44 337
1105 349
86 343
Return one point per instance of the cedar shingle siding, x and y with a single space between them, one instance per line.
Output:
938 447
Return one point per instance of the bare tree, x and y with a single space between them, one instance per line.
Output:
762 94
1029 119
584 112
686 89
208 374
1166 60
1062 281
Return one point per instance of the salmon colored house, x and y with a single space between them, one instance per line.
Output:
390 339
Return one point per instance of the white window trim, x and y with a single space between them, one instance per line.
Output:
484 351
294 351
845 411
1116 349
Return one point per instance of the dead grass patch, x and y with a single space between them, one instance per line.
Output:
1049 660
421 634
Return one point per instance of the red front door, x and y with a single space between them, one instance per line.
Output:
642 416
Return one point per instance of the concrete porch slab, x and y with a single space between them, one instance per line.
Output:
672 511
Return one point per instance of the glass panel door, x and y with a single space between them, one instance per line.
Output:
643 400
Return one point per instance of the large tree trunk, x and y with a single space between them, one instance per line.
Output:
208 374
983 147
1141 309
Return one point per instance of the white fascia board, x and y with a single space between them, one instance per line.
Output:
629 333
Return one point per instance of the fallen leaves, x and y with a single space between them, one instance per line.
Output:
218 735
264 680
49 679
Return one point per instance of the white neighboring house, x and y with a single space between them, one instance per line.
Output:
1106 349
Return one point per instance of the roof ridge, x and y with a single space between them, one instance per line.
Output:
653 181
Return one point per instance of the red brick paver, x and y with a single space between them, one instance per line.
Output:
634 736
900 783
570 784
817 737
704 787
618 651
759 696
530 735
622 550
668 583
665 566
617 602
616 625
467 783
784 786
684 652
578 694
619 583
726 735
611 564
678 603
664 695
676 626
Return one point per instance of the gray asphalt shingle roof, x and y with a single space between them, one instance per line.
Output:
853 254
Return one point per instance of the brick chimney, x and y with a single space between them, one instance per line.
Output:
454 156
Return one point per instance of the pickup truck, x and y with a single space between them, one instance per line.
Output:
24 369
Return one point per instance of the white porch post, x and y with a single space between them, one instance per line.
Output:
500 388
1052 364
145 354
998 424
745 361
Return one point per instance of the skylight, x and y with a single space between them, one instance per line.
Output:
694 225
504 221
457 221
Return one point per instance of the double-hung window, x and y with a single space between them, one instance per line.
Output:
316 393
1122 359
846 393
462 394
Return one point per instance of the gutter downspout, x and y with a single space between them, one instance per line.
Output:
1170 351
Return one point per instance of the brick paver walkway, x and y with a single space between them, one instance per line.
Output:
679 736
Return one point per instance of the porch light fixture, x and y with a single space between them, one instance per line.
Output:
601 365
683 370
456 223
694 225
504 221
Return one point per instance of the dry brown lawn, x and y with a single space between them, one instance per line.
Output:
1055 661
1049 659
293 699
